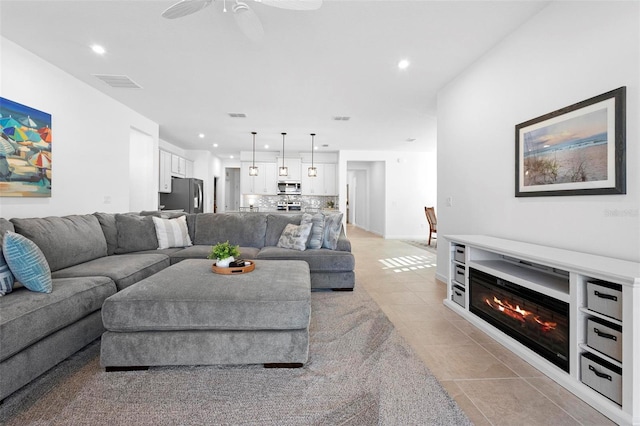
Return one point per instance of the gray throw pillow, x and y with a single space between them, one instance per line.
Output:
316 237
295 236
135 233
332 227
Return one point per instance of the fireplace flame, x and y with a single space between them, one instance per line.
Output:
519 314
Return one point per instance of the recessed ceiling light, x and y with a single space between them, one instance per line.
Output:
404 64
231 156
266 147
315 148
201 135
215 145
98 49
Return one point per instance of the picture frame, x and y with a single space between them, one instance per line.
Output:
576 150
25 151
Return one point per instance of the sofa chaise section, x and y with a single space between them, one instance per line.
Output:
39 330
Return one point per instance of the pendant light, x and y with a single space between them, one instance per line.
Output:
253 170
284 171
313 171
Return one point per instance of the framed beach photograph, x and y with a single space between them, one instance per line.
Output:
576 150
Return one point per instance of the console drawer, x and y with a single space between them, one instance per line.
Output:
458 254
459 276
605 298
457 295
601 376
605 337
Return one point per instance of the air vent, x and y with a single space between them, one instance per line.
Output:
118 81
410 139
341 118
237 115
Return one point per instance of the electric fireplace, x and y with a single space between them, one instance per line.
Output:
537 321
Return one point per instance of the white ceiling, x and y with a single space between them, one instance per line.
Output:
311 66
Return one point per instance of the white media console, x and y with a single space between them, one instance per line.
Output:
596 375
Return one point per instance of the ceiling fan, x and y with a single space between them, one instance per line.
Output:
245 17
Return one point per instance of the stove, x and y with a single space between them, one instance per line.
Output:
289 206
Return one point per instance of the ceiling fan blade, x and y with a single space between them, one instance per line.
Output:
293 4
184 8
248 22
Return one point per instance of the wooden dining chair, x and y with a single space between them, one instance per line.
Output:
430 212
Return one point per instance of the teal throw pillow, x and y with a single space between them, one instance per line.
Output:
27 263
6 277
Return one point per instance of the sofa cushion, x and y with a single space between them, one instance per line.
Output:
135 233
109 229
123 269
6 277
172 232
245 230
27 317
319 260
82 236
202 251
27 263
276 224
295 236
316 236
332 227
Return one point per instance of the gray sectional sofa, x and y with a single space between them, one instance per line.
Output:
93 256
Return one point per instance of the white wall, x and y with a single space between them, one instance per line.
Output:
409 184
142 191
90 139
569 52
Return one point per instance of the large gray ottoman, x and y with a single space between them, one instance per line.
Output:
188 315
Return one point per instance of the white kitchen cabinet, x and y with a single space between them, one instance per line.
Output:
178 166
293 164
323 184
266 183
165 172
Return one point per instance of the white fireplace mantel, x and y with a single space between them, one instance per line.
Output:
499 257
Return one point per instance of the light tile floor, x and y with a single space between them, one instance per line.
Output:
491 384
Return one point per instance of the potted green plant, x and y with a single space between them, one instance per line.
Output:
224 253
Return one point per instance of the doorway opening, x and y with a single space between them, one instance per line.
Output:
232 189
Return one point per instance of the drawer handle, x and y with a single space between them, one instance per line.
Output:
461 251
458 293
599 374
605 296
605 335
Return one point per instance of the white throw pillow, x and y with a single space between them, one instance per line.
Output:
172 232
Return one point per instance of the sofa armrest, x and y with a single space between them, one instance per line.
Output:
343 242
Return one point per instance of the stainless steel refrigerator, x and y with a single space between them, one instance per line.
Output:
186 194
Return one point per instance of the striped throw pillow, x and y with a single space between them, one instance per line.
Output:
6 277
27 263
172 232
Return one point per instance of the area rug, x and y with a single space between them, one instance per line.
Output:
360 372
423 244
